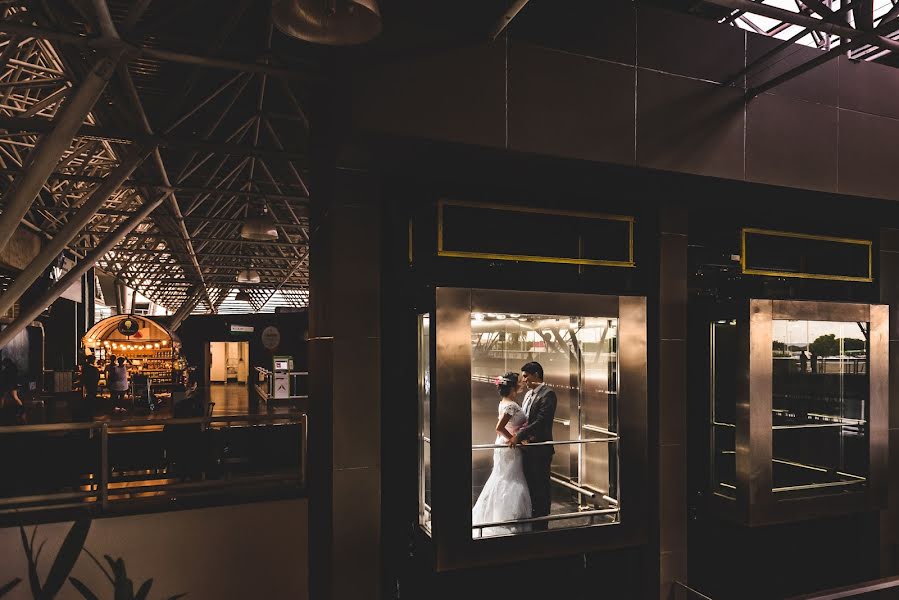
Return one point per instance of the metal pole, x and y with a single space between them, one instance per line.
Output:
104 466
73 226
44 158
507 18
44 300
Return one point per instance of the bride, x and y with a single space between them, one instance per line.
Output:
505 496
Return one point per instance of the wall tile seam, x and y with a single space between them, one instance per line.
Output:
869 114
795 99
888 251
673 234
675 339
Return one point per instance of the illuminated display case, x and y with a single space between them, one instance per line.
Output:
592 350
799 396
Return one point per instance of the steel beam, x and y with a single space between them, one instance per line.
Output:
71 229
786 16
193 298
26 316
43 159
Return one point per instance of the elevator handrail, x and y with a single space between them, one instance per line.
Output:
852 591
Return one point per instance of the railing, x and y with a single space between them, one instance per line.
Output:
265 385
611 437
858 590
681 590
97 465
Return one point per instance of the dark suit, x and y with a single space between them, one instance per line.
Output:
541 410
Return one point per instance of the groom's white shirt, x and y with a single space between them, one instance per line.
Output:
529 399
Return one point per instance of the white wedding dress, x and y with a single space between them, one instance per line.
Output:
505 496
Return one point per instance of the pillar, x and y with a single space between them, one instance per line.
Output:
672 411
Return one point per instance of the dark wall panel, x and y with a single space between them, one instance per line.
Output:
689 126
868 167
868 87
597 29
570 106
456 95
817 85
791 143
684 45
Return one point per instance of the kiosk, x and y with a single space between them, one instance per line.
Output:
281 368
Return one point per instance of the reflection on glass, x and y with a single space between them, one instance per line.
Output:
580 362
820 406
724 404
424 422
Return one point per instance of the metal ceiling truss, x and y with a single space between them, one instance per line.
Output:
219 139
858 28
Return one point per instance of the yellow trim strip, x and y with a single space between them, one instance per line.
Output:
804 236
531 258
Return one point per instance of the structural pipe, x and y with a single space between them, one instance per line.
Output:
193 298
28 315
44 158
507 18
786 16
71 229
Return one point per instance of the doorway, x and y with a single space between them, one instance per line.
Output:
228 375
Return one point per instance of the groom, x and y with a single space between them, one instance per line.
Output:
540 408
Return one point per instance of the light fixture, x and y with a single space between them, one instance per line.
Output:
331 22
261 227
242 296
248 276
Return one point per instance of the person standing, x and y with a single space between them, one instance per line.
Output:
118 383
540 409
90 381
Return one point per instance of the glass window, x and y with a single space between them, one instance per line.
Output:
424 422
564 473
820 406
724 404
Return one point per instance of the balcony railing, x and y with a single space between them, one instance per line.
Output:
103 465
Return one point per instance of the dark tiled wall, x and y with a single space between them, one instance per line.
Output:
634 85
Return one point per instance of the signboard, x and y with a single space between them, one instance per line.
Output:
241 329
271 337
128 327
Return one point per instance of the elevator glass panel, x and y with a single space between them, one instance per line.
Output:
724 404
579 356
424 422
820 406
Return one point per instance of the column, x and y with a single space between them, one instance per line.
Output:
672 508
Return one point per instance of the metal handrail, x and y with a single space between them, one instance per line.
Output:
102 492
559 517
851 591
691 590
553 443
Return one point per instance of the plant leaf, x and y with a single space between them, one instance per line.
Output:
9 586
32 568
65 559
83 589
114 567
124 589
144 590
176 596
37 556
99 565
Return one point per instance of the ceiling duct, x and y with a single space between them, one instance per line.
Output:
331 22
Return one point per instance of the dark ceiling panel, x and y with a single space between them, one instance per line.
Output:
791 143
689 126
570 106
599 29
869 87
687 45
868 165
817 85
